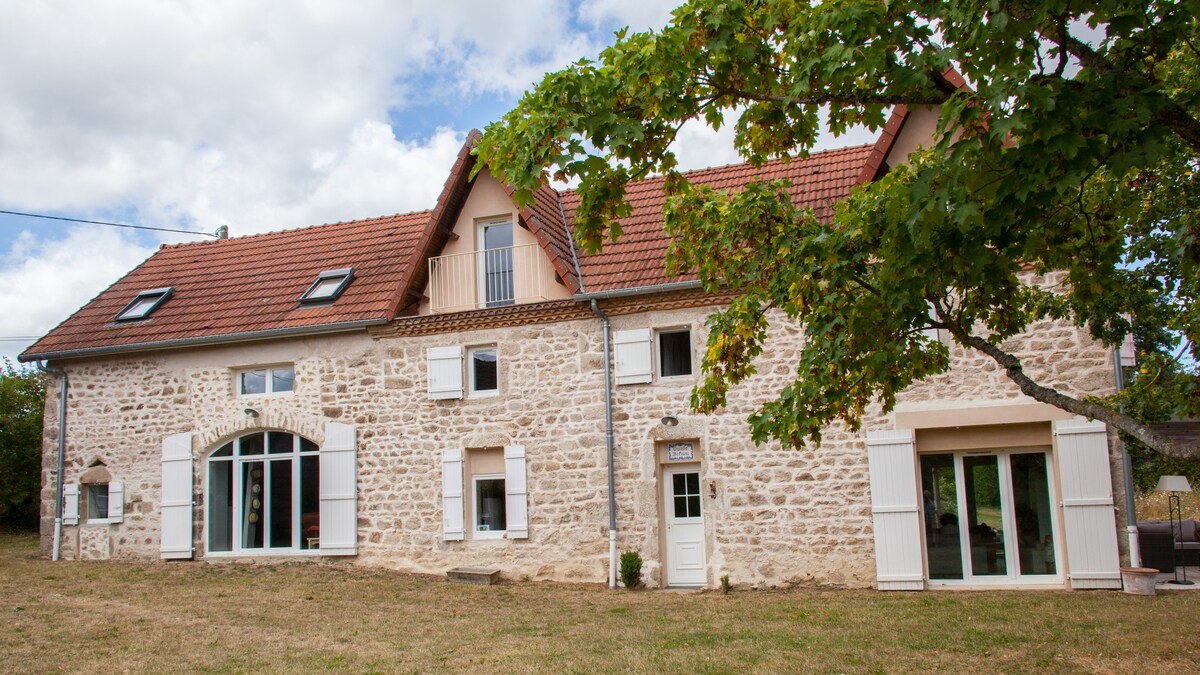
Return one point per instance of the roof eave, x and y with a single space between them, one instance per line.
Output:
204 341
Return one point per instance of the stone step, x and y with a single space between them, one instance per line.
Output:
482 576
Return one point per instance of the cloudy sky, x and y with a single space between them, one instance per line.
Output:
193 115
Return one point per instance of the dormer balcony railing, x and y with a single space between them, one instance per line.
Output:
490 278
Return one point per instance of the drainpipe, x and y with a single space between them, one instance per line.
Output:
608 420
62 451
1135 553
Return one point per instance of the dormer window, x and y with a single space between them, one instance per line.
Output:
145 303
328 286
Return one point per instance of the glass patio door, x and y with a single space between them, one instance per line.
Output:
988 518
498 264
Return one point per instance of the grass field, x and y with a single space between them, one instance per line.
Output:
104 617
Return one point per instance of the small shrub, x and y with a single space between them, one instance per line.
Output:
631 569
725 585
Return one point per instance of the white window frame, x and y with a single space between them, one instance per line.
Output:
481 226
269 384
477 533
236 460
469 362
657 356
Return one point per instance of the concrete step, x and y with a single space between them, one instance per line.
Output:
482 576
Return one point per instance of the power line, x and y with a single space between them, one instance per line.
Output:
100 222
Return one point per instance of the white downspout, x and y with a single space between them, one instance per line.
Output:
62 449
608 419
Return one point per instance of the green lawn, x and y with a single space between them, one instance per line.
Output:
105 617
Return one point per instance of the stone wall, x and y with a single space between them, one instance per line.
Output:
773 516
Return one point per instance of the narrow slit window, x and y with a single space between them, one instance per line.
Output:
329 285
145 303
675 353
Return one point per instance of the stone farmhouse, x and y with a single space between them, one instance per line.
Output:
444 389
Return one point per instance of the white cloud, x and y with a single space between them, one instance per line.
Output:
44 280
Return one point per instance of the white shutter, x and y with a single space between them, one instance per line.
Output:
175 502
70 507
445 372
452 494
895 510
632 355
516 503
116 501
339 490
1093 560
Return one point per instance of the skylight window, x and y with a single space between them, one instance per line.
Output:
145 303
329 285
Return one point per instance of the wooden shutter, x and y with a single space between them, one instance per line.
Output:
632 356
339 490
175 502
445 366
1093 560
452 494
895 510
516 503
116 501
70 507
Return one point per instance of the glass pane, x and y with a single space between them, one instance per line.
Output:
225 451
97 501
483 363
282 379
307 445
678 486
694 506
681 507
489 505
1031 506
280 443
310 509
254 382
693 483
498 264
140 307
281 502
325 288
939 492
675 353
251 445
220 505
984 524
252 504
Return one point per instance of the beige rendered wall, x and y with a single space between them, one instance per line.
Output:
533 274
773 516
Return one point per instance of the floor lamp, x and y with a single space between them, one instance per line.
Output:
1175 485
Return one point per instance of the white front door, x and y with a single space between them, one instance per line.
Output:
685 526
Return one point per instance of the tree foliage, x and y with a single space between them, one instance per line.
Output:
22 400
1071 155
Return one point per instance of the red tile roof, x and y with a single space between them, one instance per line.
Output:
231 289
249 284
636 259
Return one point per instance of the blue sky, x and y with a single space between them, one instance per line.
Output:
194 115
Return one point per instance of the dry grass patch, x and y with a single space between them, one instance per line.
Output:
313 616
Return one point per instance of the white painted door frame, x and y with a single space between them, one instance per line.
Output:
686 558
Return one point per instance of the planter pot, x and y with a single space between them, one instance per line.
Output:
1138 580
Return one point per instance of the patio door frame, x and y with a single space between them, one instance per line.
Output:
1012 577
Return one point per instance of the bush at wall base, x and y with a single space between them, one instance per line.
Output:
631 569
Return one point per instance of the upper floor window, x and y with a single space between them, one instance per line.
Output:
483 371
329 285
642 354
496 277
272 380
145 303
675 353
445 368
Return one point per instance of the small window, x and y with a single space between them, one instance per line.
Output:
675 353
484 372
491 521
266 380
145 303
97 501
329 285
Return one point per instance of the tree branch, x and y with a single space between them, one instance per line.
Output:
1015 371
